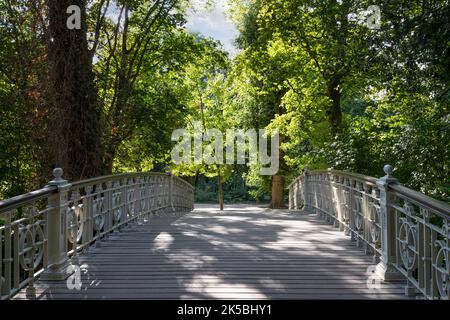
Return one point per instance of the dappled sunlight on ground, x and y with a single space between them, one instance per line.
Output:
244 252
214 287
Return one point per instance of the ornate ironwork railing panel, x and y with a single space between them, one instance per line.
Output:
406 231
422 242
23 239
348 201
41 230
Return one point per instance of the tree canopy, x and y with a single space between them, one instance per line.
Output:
345 88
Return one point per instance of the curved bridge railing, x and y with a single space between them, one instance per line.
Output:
407 233
44 230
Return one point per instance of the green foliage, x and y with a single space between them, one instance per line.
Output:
341 95
20 71
391 86
236 189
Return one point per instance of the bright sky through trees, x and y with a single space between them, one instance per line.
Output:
212 21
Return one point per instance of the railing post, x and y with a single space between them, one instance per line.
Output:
57 229
385 268
169 173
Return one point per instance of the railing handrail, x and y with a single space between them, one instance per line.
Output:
23 199
362 177
118 176
111 177
439 207
26 198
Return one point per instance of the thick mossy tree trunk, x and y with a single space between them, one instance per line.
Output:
74 117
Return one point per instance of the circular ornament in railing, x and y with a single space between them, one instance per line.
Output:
31 246
130 201
98 205
130 209
118 214
375 231
346 196
99 222
441 268
375 193
117 208
75 224
359 220
408 244
143 201
99 219
346 213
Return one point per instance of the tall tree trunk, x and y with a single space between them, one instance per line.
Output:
277 201
220 187
74 122
334 113
278 183
108 158
277 192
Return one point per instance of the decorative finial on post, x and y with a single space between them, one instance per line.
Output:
388 170
58 180
57 173
388 178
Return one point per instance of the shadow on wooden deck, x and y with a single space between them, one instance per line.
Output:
245 252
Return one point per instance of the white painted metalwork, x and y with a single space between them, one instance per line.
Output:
406 231
44 230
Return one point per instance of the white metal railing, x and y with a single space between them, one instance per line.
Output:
407 233
40 231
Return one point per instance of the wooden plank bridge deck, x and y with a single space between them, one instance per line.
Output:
245 252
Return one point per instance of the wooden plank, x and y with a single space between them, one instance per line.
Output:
307 283
230 296
168 286
243 253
